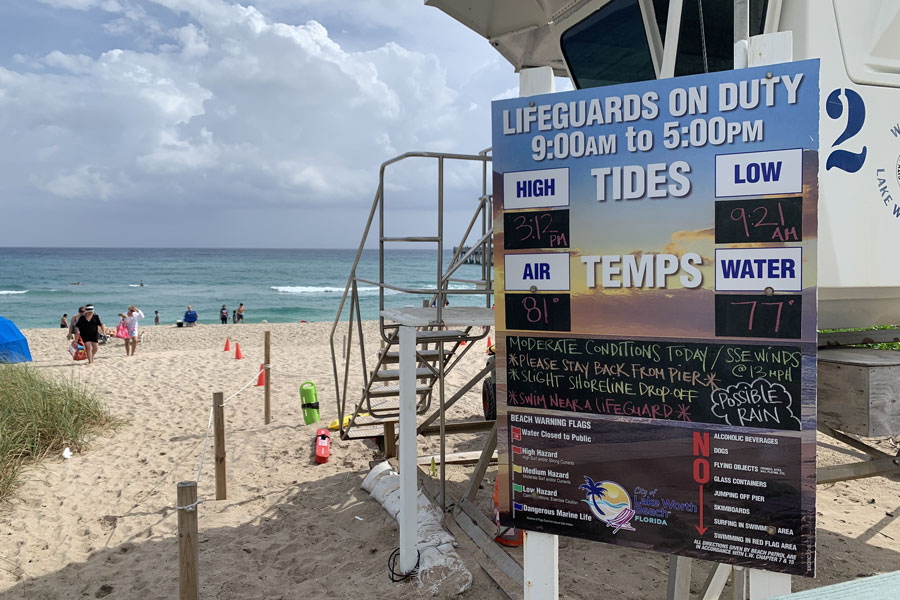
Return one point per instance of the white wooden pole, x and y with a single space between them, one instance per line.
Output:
541 550
535 81
741 33
408 488
765 584
679 585
670 47
541 570
741 20
739 583
716 582
767 49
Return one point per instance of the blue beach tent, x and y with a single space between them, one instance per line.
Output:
13 345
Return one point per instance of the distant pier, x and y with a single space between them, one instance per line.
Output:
476 258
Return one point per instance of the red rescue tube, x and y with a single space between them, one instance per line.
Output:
323 445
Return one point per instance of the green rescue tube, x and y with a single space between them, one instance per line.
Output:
309 400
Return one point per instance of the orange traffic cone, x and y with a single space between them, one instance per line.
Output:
261 380
237 351
462 343
488 349
227 345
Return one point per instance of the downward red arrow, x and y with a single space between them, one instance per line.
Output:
700 528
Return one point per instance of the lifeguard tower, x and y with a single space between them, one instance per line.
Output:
605 42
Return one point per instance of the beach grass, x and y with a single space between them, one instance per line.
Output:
40 416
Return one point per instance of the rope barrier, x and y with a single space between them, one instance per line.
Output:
192 506
254 378
205 442
210 422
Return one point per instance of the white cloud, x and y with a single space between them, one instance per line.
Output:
223 106
175 155
82 183
194 43
113 6
74 63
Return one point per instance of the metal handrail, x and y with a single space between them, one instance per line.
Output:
440 157
440 292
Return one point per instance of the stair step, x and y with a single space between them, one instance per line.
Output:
439 334
394 390
365 432
394 374
427 336
393 356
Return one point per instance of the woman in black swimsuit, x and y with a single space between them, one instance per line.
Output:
88 326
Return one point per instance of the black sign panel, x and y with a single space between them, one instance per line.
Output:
760 220
540 229
538 312
624 483
756 316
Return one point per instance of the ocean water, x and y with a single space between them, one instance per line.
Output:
36 284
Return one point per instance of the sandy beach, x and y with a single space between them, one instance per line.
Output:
102 524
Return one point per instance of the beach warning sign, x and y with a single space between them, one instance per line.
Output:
656 314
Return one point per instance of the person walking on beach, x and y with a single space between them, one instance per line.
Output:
72 323
223 315
240 313
88 326
131 324
156 318
63 324
131 319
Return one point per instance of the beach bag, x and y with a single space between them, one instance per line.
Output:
76 349
122 331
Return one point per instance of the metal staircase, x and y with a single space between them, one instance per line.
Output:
446 333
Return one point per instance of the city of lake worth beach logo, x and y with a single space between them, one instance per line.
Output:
609 502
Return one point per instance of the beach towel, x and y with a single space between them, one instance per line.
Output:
76 349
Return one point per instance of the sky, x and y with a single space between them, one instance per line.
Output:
208 123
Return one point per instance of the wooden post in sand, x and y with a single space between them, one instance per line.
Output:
219 431
268 409
188 548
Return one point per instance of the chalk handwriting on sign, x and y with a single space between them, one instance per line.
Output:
538 312
759 403
739 315
759 220
656 380
536 229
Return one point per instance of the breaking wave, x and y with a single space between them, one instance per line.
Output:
312 289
